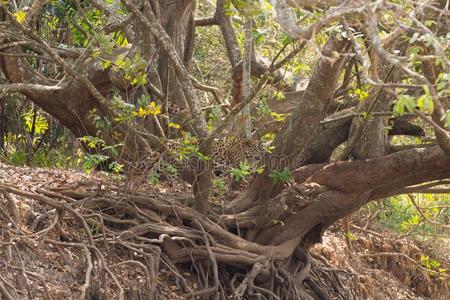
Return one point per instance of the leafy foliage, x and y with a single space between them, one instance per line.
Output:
280 176
242 172
92 160
400 214
36 123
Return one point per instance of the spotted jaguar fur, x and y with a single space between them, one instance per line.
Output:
226 154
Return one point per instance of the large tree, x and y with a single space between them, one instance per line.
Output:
74 59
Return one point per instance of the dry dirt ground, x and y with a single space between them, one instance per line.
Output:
381 265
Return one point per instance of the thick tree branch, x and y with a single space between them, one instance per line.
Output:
413 165
206 22
28 88
307 116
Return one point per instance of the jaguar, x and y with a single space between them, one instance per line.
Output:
227 153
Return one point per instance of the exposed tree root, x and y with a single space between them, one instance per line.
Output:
153 231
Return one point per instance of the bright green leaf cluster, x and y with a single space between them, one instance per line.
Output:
135 69
280 176
408 103
278 117
431 264
240 173
151 109
414 220
404 102
153 178
20 16
92 141
40 122
92 160
361 94
425 104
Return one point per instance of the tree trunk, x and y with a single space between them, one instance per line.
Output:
300 129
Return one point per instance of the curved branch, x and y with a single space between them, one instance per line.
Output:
401 169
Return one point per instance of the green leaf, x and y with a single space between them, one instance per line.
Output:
120 38
435 264
143 101
92 160
115 167
278 117
404 102
351 236
241 172
443 82
286 39
279 95
106 63
425 104
429 23
40 122
174 125
92 141
259 36
367 115
280 176
113 148
153 179
362 95
20 16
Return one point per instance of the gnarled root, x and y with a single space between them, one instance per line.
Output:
156 231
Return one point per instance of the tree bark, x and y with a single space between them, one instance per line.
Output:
301 126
